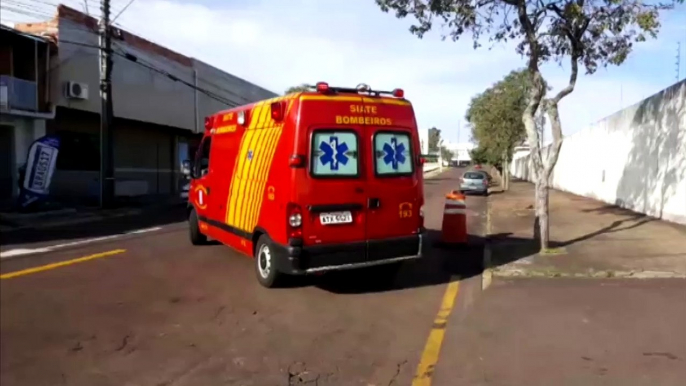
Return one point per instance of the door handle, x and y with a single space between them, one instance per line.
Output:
373 203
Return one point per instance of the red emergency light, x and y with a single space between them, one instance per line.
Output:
398 93
208 123
277 110
322 87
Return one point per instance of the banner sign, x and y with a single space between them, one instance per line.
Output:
40 165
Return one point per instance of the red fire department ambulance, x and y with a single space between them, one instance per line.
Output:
310 182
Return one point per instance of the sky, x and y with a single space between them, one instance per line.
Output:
277 44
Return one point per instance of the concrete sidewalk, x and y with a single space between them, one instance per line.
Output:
569 332
16 221
593 239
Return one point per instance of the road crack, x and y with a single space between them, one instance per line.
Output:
301 376
397 372
124 343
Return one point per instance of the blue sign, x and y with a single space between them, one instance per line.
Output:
250 154
40 165
334 153
395 153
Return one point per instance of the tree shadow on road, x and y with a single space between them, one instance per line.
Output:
441 265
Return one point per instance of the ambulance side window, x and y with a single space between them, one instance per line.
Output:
334 154
202 159
392 154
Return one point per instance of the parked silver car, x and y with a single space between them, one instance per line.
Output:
474 182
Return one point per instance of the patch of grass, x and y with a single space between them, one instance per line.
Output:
554 251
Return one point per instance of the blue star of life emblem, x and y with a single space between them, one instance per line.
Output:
334 153
394 153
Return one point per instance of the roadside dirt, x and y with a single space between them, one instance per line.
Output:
589 239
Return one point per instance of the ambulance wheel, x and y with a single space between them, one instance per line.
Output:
267 274
197 238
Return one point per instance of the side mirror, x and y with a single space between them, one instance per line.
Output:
186 168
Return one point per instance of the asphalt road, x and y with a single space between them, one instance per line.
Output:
157 311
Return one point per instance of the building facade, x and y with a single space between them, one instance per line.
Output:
24 102
160 99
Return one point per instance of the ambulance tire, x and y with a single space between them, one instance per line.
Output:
197 238
265 271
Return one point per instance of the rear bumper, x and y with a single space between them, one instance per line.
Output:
473 188
295 259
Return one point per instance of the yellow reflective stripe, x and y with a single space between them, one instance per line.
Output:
259 180
266 110
231 199
265 176
250 178
330 98
241 199
265 166
254 116
231 209
387 101
238 177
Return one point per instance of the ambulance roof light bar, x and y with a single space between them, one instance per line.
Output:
324 88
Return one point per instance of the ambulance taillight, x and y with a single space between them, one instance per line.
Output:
398 93
322 87
294 220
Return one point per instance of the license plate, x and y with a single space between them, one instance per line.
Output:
336 218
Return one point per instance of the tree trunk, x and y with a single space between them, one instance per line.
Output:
541 224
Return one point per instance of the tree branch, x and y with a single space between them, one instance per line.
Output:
572 80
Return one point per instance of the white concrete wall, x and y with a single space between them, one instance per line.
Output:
635 158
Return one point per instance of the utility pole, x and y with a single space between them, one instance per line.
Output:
106 145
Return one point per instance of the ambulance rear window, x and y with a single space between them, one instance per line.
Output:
334 153
392 154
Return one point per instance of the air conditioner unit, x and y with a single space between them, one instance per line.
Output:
4 97
76 90
117 33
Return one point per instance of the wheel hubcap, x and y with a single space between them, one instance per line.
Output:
264 263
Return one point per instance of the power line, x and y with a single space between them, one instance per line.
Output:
34 12
123 9
29 11
134 59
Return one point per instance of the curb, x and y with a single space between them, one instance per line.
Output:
92 218
487 274
606 274
433 173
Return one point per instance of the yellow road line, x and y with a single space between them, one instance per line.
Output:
427 363
48 267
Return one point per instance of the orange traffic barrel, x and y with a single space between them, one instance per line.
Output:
454 228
